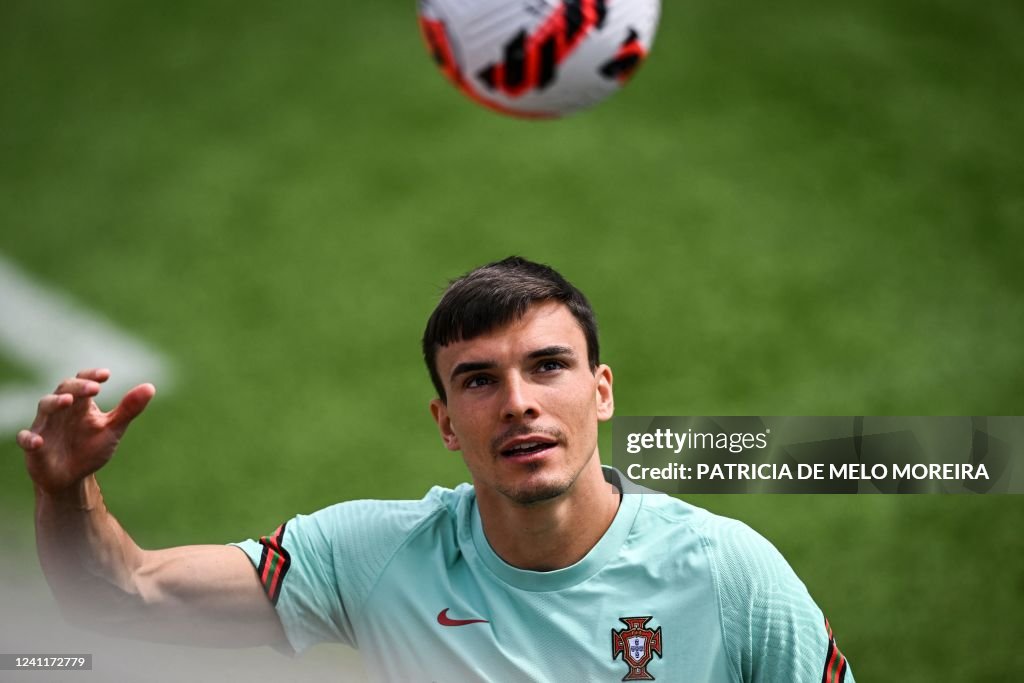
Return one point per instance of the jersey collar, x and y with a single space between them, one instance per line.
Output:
478 549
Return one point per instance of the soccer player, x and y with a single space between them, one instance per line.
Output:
546 568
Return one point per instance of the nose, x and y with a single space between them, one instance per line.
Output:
519 403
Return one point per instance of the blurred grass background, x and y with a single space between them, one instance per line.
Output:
795 209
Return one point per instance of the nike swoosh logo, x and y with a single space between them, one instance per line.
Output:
445 620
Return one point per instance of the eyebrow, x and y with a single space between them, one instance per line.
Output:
549 351
475 366
471 366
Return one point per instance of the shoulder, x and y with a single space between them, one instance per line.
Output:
392 518
736 541
743 564
677 532
715 532
361 536
721 535
345 548
741 559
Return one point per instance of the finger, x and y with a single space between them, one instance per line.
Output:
78 388
95 374
48 405
133 403
29 441
51 403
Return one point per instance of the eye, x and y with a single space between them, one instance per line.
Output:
477 381
550 365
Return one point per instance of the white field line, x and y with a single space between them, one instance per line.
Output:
53 337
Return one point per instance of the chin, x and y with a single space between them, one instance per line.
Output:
535 495
534 492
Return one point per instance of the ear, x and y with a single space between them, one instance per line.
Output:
603 393
439 410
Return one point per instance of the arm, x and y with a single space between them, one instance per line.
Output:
207 595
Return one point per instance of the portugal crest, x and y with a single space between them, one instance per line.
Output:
637 644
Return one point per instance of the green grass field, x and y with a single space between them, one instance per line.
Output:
795 209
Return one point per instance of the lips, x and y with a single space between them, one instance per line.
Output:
527 445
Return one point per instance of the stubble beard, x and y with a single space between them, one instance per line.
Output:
543 491
531 495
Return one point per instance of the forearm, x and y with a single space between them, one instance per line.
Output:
199 595
88 559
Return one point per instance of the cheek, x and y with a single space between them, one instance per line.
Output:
582 408
467 424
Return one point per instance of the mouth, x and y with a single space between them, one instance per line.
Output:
524 447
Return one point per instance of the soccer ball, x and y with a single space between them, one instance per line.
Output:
538 58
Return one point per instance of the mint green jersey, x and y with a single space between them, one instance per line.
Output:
671 592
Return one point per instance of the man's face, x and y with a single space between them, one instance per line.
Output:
523 405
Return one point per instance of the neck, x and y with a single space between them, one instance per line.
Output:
555 533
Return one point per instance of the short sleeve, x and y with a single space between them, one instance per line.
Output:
772 628
319 569
296 567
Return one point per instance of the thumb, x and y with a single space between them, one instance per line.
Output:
132 403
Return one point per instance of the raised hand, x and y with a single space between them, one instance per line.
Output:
71 437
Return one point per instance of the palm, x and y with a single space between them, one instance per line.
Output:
77 444
71 437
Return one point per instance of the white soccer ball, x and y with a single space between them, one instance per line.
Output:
538 58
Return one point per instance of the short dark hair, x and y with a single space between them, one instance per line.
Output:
494 295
